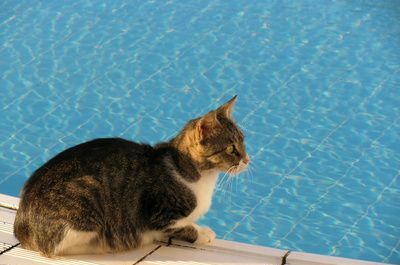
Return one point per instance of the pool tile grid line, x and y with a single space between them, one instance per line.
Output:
218 252
267 198
236 50
16 13
97 112
67 36
310 107
285 82
393 250
49 147
57 105
176 59
239 47
181 54
202 74
222 59
379 87
130 126
265 102
313 206
215 29
191 22
365 213
24 95
169 29
27 125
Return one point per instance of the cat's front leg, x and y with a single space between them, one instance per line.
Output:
205 235
192 233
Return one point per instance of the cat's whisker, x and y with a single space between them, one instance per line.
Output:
250 172
221 180
222 184
229 188
224 178
253 165
229 180
245 173
236 180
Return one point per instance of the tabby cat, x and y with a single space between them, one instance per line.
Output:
111 195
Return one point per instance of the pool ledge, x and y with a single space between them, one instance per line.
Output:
218 252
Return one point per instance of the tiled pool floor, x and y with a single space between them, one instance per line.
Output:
219 252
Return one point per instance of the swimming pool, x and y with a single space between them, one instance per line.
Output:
318 98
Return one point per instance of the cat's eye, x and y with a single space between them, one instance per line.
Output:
231 149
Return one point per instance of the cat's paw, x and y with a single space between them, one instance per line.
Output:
205 236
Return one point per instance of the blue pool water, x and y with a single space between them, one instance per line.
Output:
318 98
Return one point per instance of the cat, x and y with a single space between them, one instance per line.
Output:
110 195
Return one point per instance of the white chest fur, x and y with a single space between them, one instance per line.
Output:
203 191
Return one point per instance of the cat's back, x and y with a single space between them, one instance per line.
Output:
90 158
101 148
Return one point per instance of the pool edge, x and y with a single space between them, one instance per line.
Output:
219 246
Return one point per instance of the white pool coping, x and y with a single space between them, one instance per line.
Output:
219 252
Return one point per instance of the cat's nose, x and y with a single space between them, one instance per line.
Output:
246 160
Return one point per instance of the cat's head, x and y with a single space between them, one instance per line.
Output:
214 141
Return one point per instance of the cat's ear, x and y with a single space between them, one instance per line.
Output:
227 108
207 124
